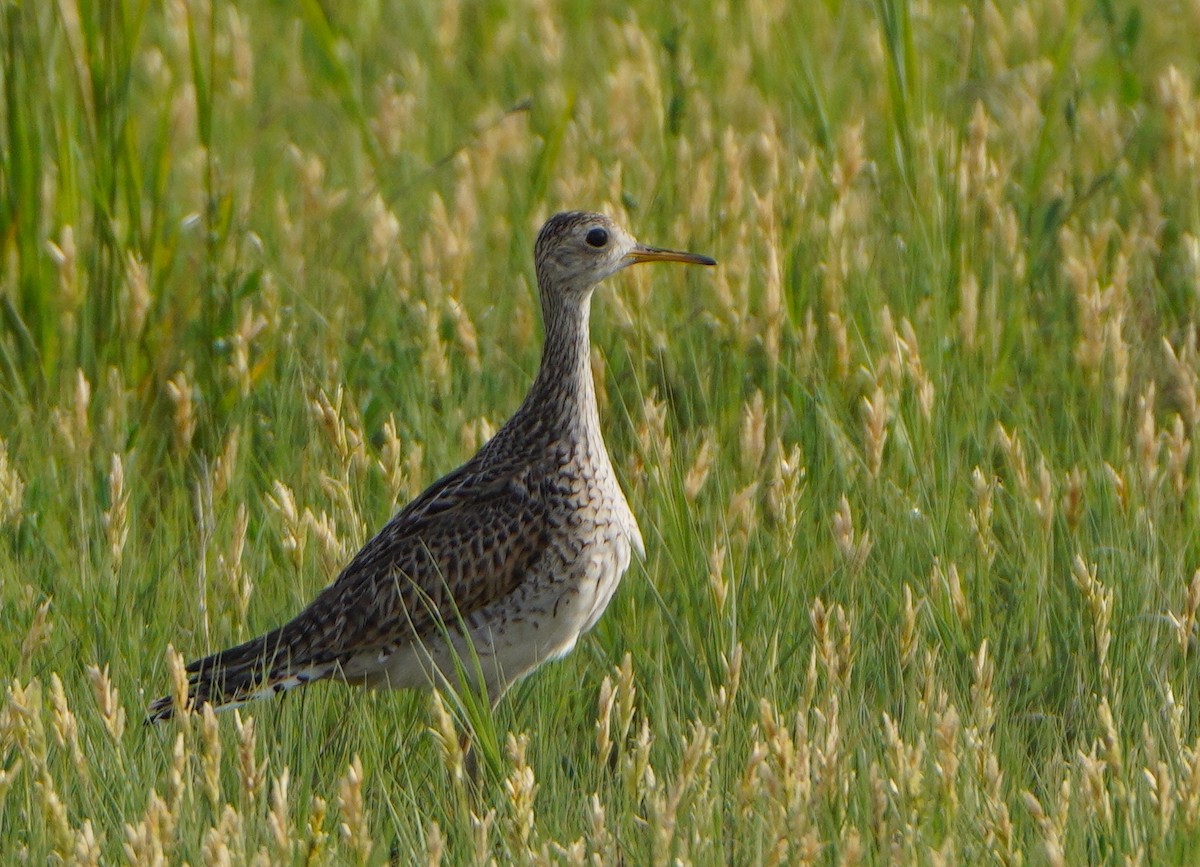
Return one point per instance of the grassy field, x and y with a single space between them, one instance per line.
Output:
914 465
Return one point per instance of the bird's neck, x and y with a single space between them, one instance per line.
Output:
564 383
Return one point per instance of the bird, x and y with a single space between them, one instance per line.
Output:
500 565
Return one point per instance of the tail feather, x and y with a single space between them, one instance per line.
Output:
259 668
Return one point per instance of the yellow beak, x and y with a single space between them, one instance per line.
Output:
642 253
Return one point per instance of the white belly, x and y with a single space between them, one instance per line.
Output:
540 621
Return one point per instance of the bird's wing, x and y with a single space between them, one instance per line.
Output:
470 539
467 541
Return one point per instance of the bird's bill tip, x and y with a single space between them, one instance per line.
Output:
642 253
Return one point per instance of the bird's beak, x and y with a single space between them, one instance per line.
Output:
642 253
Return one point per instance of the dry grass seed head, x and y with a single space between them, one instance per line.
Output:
148 841
520 787
727 691
607 697
177 669
754 434
905 768
108 701
210 757
654 443
54 818
786 490
225 466
1099 599
338 420
947 728
1045 501
697 474
66 726
435 844
1147 445
1051 840
235 578
73 423
391 459
854 547
1185 622
339 490
718 583
833 640
41 627
354 826
116 523
840 338
1179 450
223 843
693 769
12 489
446 733
250 326
774 309
875 419
318 837
279 819
1181 111
946 583
908 628
179 391
741 516
251 772
294 536
89 846
1014 452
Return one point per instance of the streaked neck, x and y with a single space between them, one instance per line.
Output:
564 389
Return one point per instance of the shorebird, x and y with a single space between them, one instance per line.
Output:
505 561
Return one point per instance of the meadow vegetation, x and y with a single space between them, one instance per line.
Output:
914 465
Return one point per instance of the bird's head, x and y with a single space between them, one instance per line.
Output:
575 250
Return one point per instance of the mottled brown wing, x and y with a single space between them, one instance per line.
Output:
467 541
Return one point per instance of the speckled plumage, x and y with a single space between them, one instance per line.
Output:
507 560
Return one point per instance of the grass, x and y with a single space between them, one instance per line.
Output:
915 465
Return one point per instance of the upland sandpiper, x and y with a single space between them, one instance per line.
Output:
504 562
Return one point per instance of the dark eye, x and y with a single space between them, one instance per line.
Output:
597 237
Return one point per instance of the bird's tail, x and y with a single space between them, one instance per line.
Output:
260 668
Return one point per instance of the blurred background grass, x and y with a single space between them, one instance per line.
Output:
914 466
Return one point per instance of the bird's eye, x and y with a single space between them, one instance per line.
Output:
597 237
